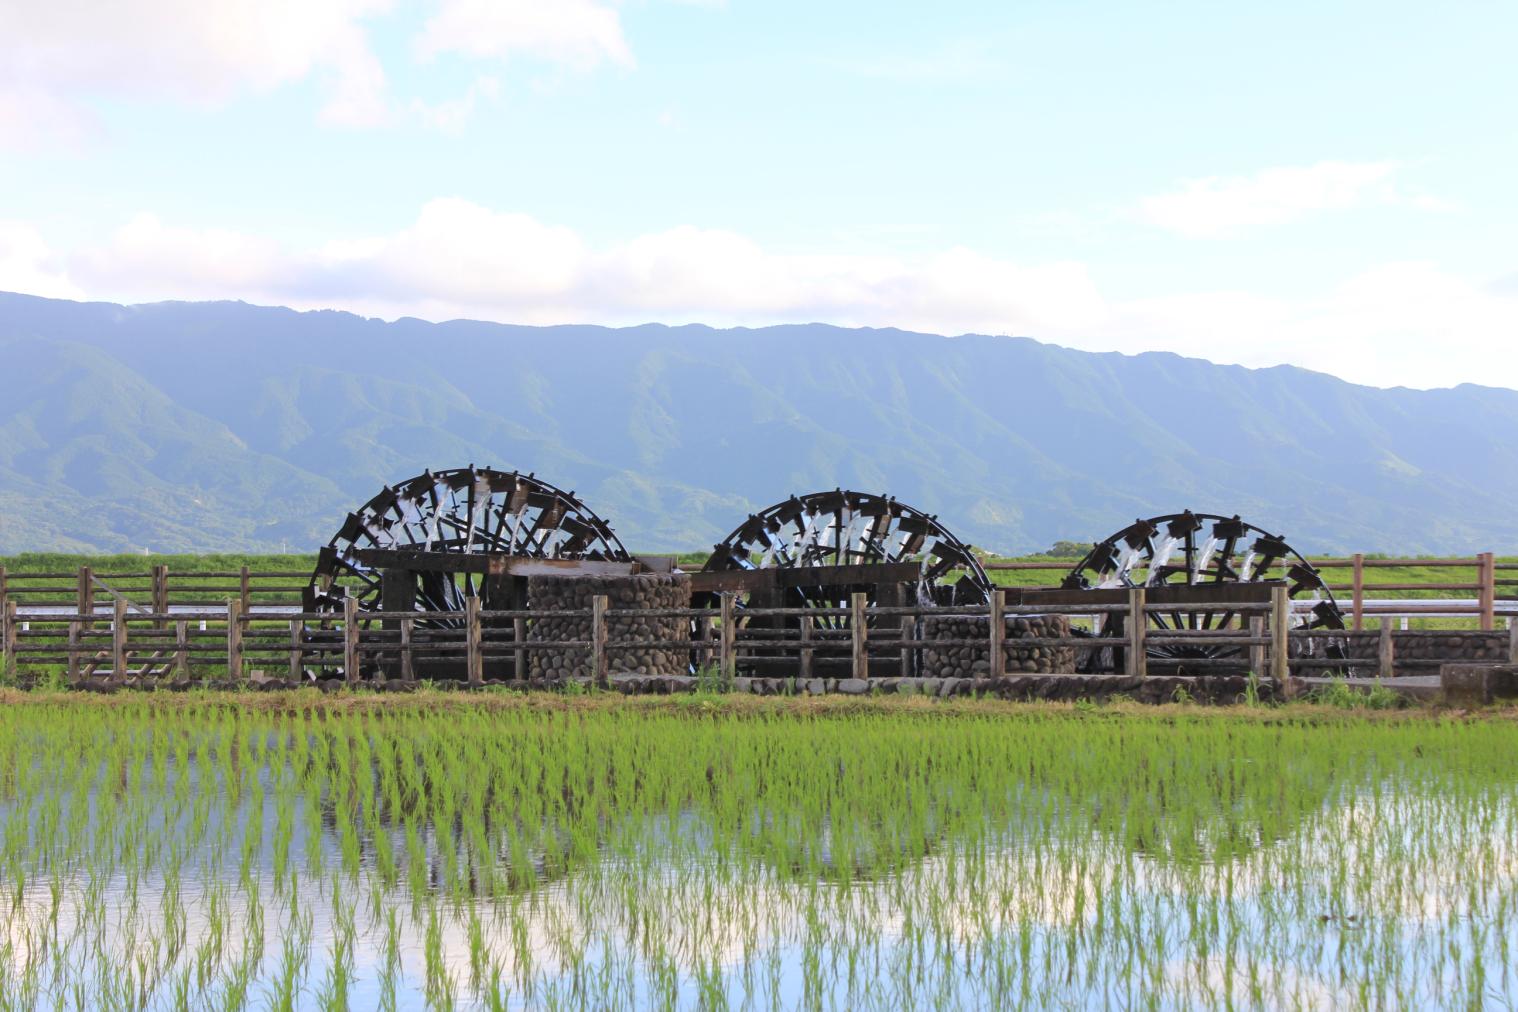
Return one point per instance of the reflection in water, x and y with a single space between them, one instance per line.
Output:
605 858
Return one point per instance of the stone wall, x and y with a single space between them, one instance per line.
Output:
573 593
975 661
1422 651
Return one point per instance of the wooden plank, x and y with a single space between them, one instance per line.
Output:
998 630
86 594
244 590
494 563
1179 595
408 670
858 635
1512 642
599 672
861 574
519 633
807 653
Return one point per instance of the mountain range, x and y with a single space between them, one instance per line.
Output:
232 427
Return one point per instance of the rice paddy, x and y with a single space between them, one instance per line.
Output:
695 854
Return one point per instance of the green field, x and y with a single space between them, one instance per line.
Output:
371 852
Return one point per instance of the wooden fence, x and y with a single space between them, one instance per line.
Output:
1483 592
160 589
228 642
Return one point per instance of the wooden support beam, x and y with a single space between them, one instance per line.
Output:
118 639
408 668
1357 589
350 640
599 671
858 634
1137 660
297 665
519 633
182 648
160 595
245 590
807 653
234 640
473 656
728 655
1280 633
8 629
1487 570
998 630
1257 650
87 594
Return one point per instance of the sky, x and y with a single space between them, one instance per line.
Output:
1323 184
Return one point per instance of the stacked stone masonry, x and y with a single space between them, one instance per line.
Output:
575 593
975 661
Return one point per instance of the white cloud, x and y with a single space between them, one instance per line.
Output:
59 56
29 264
1401 323
65 52
1217 206
577 33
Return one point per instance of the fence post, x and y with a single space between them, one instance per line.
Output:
1138 621
1358 592
7 635
1488 592
234 640
860 665
518 633
1280 632
1386 657
998 624
4 588
119 640
1257 650
297 630
727 657
408 670
182 648
806 652
160 594
86 594
473 659
1512 641
75 626
350 639
244 591
598 667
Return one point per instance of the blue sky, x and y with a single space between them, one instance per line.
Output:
1322 184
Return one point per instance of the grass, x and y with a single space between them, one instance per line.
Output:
296 850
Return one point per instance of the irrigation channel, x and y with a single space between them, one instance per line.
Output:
198 855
